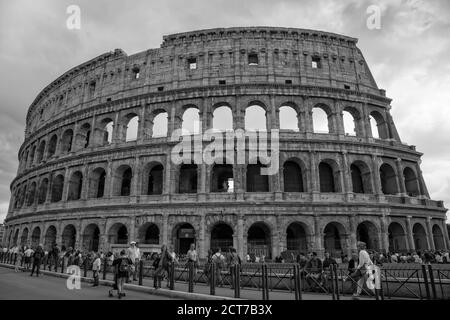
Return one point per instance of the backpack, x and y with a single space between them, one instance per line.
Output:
218 261
124 266
38 254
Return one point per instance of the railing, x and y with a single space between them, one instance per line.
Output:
286 280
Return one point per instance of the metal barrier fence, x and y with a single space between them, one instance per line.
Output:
412 281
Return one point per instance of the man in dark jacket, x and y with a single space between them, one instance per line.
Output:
314 271
37 258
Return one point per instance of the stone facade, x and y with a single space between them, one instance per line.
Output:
82 182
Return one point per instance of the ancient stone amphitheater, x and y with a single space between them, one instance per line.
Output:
96 172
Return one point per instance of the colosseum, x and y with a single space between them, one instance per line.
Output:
95 167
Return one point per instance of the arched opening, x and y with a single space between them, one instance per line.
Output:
184 235
122 184
40 152
438 238
259 240
35 237
149 234
367 232
222 119
349 123
50 238
31 194
83 136
320 121
97 183
334 239
255 118
160 125
411 182
16 237
132 128
397 238
378 126
118 234
66 141
221 236
187 182
191 121
361 179
106 129
222 178
296 239
69 236
388 180
155 180
292 176
256 182
420 237
24 237
57 188
327 178
32 154
288 118
52 146
91 238
75 185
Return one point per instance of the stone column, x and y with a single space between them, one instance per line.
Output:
167 175
314 177
352 235
132 229
409 232
84 188
422 185
319 248
116 130
65 192
136 178
240 236
384 234
141 134
348 187
431 243
376 176
445 233
165 229
400 178
109 180
201 240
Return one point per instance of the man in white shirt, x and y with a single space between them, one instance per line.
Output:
359 276
134 254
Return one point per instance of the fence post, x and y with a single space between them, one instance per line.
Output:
190 276
333 294
425 278
433 286
141 271
212 279
172 276
237 281
336 281
105 262
265 282
297 282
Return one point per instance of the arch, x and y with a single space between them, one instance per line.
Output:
50 238
259 240
222 118
367 232
183 236
349 123
32 154
24 237
69 236
255 118
118 234
57 188
160 125
361 177
334 238
31 194
43 189
221 236
97 181
148 234
222 178
320 119
91 237
132 128
388 179
155 179
40 152
411 182
191 121
292 177
16 238
66 141
123 178
438 238
106 129
378 126
288 118
329 176
83 136
52 146
75 186
296 237
35 237
397 238
420 237
256 182
187 182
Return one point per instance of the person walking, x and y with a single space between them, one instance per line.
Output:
38 255
134 254
165 260
19 258
359 276
193 257
96 265
28 254
219 262
233 261
123 265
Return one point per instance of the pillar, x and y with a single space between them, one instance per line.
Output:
445 233
132 229
348 188
165 229
384 235
376 176
409 232
400 178
431 244
319 248
240 235
353 238
202 236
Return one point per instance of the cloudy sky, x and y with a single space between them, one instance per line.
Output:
409 56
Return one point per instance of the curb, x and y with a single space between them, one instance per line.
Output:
133 287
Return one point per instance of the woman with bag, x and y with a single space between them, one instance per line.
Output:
123 267
163 266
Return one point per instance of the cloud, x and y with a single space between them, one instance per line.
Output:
408 56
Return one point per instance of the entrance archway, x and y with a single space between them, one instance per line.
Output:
118 234
420 237
397 238
35 237
91 237
438 238
367 232
334 237
259 240
184 236
50 238
296 239
221 236
69 236
149 234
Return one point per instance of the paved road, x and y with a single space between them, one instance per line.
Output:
20 286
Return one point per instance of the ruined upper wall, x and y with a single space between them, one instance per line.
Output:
284 56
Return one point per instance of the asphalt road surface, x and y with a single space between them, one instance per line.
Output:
20 286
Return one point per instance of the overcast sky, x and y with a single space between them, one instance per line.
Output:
409 56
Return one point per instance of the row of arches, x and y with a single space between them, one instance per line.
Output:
126 128
294 177
259 237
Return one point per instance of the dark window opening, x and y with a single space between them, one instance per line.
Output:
222 82
136 73
126 183
192 63
155 180
288 82
316 63
160 88
253 59
347 87
91 89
